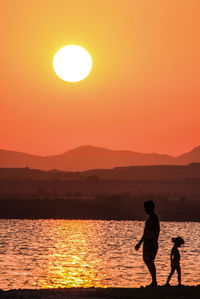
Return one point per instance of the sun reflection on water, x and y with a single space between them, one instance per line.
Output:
70 263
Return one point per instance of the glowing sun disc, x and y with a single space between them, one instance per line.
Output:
72 63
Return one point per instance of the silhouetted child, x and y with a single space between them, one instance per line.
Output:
175 260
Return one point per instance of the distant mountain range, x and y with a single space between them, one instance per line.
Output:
90 157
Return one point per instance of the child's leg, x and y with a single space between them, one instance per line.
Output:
170 275
178 269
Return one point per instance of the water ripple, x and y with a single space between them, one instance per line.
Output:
76 253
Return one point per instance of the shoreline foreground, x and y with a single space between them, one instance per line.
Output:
189 292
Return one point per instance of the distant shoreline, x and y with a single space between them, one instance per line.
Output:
192 292
96 219
99 207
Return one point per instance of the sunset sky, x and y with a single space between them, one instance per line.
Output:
143 93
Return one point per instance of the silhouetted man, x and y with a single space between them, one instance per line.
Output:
150 240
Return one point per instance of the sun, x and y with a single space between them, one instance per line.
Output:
72 63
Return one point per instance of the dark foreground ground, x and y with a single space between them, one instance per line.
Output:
81 293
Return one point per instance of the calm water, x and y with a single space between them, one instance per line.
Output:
66 253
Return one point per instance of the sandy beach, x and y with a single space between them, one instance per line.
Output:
189 292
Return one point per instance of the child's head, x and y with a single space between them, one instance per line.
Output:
178 241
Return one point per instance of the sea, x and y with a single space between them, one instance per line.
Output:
36 254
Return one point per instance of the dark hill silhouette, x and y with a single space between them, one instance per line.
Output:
90 157
192 156
189 172
148 173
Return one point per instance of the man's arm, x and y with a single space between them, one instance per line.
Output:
144 236
139 243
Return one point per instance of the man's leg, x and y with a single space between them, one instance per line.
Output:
152 269
149 254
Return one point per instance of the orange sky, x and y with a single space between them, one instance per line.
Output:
143 93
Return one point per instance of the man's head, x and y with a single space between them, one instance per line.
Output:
149 207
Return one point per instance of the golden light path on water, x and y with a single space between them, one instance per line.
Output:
75 253
68 265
